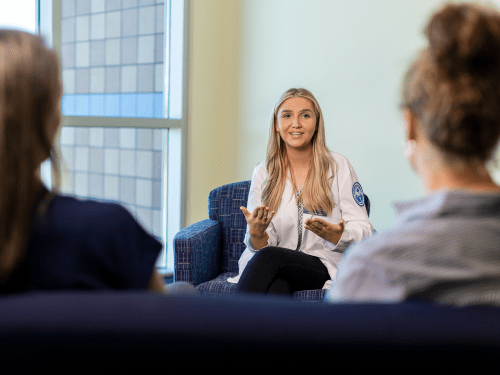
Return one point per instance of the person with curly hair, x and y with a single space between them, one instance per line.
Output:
444 246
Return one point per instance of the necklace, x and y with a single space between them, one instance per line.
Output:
301 214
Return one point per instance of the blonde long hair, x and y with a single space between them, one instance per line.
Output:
30 94
316 194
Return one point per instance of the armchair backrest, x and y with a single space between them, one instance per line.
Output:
224 205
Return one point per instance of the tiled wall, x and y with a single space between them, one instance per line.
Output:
123 165
112 57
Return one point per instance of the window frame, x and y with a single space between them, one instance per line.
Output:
174 209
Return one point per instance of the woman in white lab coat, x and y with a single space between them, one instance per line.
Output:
305 205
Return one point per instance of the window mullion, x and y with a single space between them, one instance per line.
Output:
120 122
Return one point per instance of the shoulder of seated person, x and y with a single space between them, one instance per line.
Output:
386 242
260 166
339 158
91 208
260 170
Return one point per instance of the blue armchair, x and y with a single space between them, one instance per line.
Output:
206 253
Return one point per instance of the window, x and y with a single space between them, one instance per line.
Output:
20 14
124 105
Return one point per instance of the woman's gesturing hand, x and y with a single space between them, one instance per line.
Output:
326 230
258 221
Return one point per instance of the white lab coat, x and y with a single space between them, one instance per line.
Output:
283 229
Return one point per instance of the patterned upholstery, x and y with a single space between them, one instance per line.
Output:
224 207
218 287
206 253
197 250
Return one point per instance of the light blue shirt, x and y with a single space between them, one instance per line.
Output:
444 248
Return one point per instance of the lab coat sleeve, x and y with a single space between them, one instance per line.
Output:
357 224
254 200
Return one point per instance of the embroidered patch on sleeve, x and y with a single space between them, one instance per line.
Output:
357 194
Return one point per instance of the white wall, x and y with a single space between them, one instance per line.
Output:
350 53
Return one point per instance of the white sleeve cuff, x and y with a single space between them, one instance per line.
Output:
271 241
345 240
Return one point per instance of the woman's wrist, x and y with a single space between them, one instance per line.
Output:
335 238
258 236
257 242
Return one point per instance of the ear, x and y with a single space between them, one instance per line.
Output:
410 125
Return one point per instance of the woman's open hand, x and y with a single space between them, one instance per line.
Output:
326 230
258 221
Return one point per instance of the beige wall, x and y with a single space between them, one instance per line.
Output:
350 54
213 136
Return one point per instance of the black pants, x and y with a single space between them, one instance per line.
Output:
276 270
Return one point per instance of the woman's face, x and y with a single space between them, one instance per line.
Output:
296 123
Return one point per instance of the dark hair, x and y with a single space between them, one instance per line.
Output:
30 94
453 88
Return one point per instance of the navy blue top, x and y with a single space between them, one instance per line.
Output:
85 245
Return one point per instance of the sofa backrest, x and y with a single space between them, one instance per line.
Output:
100 329
224 205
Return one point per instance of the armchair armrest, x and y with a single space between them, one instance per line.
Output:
197 250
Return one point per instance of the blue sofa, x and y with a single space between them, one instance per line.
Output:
82 331
206 253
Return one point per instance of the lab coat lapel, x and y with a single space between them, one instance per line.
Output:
292 211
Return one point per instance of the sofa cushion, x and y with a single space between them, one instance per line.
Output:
220 287
316 295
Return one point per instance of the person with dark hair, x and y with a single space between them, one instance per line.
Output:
49 241
444 247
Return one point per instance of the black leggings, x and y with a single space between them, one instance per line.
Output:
276 270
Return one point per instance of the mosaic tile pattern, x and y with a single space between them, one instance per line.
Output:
112 58
122 165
